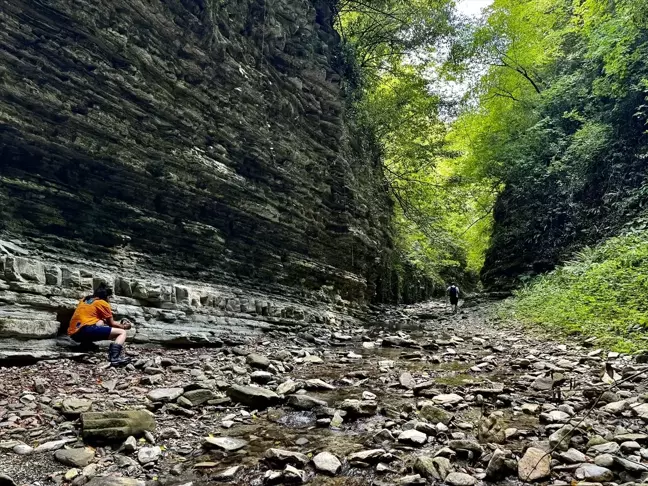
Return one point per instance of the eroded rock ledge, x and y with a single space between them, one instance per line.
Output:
37 299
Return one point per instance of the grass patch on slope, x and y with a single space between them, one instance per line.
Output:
603 292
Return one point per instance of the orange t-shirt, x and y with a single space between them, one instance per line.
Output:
89 312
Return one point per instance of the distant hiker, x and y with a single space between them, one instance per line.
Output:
453 293
93 321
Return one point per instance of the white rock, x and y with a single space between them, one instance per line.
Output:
286 388
406 380
53 445
149 454
130 444
460 479
412 436
534 465
327 463
165 394
293 474
615 407
573 456
228 474
318 384
367 455
448 399
557 416
641 411
594 473
606 448
23 449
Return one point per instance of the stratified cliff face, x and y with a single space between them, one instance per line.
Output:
198 140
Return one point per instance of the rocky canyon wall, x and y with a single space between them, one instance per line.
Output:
195 154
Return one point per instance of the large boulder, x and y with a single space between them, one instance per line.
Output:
116 426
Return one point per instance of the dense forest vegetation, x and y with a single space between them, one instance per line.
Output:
561 123
398 55
541 155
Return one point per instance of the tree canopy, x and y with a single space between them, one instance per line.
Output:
544 152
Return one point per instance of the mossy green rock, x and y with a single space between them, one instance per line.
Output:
116 426
434 414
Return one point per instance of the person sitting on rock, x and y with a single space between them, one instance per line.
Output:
93 321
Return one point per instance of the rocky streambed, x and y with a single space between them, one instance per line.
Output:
417 397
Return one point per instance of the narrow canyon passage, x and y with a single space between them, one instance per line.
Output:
418 396
248 192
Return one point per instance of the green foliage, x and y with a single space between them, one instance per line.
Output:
557 119
441 219
381 33
601 292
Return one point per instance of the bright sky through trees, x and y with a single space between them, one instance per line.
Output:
472 7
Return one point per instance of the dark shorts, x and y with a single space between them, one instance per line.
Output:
90 334
454 300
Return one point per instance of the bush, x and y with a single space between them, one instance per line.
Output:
601 293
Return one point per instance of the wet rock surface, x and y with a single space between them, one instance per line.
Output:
452 399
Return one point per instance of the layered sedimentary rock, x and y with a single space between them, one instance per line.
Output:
194 153
37 300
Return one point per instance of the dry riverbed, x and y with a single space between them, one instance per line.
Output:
418 397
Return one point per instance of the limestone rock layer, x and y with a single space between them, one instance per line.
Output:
195 139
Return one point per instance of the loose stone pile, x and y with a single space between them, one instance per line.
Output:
442 398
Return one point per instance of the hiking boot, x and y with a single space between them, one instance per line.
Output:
115 355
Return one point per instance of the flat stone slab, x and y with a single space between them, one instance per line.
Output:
534 465
229 444
252 396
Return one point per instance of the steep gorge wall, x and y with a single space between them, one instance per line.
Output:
197 145
543 217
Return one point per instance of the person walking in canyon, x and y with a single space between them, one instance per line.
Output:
453 294
93 321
